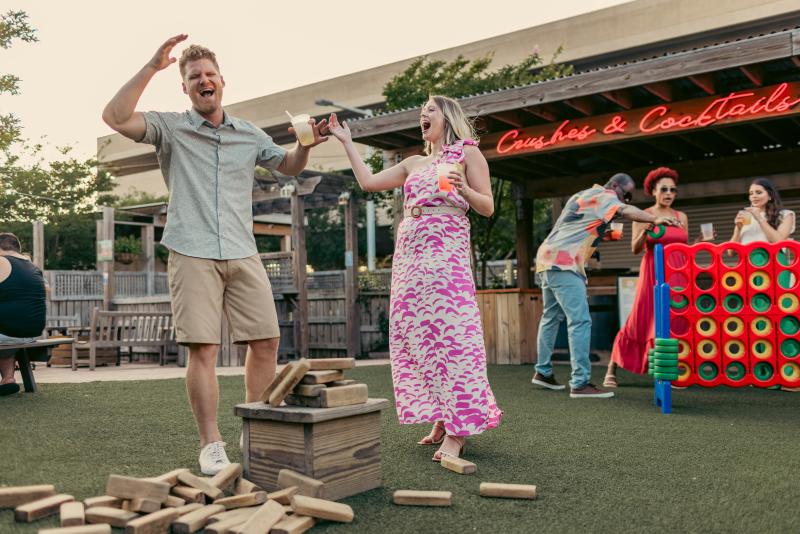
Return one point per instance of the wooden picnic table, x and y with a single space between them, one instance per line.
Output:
36 351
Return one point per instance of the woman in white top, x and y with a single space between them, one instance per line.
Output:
765 219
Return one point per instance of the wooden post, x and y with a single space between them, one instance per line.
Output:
149 249
38 244
107 267
299 272
524 219
286 243
353 328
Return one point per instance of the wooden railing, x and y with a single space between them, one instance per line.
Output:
88 285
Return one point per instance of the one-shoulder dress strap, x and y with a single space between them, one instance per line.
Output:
454 152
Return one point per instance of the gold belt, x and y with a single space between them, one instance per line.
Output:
419 211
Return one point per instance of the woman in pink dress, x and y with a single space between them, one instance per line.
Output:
435 335
636 337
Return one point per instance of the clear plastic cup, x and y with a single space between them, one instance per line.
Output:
302 129
442 170
707 231
616 231
747 217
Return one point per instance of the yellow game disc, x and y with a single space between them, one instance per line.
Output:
759 280
733 326
761 326
732 281
683 349
684 371
761 349
734 349
707 349
790 372
788 303
706 327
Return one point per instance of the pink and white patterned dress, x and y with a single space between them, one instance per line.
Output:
435 336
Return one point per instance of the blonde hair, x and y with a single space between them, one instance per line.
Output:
193 53
456 123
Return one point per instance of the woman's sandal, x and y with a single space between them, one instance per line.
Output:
610 381
436 437
462 446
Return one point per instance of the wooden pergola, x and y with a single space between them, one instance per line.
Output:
718 111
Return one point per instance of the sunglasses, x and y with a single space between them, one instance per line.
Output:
665 189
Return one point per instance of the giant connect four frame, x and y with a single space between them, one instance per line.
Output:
735 312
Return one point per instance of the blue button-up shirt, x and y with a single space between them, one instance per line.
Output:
209 173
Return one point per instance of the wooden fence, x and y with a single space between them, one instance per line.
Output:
79 292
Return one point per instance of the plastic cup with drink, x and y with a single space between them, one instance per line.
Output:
707 231
746 217
302 129
616 231
442 170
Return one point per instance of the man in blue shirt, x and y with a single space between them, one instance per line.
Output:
208 160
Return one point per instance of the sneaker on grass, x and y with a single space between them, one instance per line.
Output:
590 391
213 458
548 382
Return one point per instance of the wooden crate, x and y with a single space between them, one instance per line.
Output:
62 355
510 319
339 446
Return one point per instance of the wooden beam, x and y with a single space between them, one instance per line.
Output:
524 232
299 260
704 82
38 244
260 228
108 266
620 97
662 90
754 73
149 248
352 311
582 104
546 112
511 118
660 69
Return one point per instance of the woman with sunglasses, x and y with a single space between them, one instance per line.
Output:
765 219
633 339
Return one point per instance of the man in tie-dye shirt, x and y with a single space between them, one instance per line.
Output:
561 274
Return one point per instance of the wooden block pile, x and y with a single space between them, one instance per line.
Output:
182 503
318 383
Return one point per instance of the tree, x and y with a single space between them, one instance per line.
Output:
40 190
13 25
463 77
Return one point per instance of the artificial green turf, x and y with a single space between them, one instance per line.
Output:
726 460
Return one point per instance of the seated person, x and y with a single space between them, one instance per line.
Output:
22 305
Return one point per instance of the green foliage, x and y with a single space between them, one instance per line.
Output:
13 26
462 77
40 190
136 197
129 244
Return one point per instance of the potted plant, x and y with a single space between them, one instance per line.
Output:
127 248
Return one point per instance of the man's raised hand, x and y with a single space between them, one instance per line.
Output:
161 59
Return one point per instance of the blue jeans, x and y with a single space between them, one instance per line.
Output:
564 296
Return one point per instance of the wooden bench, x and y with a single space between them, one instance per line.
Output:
36 351
115 329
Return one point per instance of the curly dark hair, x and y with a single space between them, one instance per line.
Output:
774 205
654 176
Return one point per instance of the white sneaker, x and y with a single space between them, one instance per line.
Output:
213 458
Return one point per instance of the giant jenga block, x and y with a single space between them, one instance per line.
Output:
292 378
322 509
131 488
14 496
31 511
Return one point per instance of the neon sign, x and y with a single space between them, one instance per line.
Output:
740 106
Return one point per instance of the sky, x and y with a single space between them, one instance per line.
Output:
88 49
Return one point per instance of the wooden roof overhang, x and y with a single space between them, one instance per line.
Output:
746 122
319 190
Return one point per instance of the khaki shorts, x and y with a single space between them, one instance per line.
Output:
202 289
